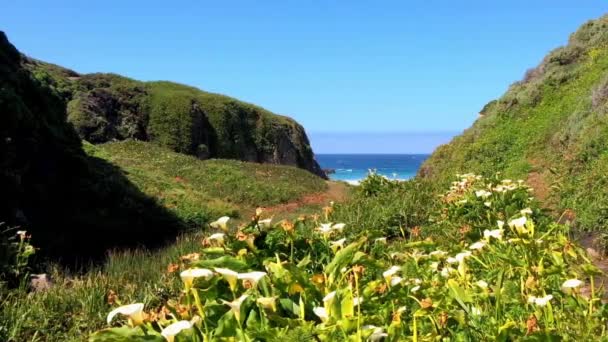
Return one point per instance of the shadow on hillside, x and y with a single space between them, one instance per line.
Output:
75 206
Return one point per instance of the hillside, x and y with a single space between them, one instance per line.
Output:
108 107
550 128
117 194
197 191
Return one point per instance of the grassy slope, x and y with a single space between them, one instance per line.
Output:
549 128
197 191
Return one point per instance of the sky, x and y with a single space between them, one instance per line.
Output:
407 75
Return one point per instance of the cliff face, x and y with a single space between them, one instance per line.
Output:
106 107
550 128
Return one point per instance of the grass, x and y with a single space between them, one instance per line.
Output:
197 191
426 296
549 128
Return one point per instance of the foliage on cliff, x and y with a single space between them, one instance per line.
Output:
550 128
107 107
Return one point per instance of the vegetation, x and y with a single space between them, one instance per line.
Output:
331 281
196 191
107 107
550 128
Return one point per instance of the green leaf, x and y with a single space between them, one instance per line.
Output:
126 334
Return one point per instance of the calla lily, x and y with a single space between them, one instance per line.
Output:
518 223
229 275
572 283
252 277
135 313
268 303
217 237
189 275
335 245
438 254
325 229
483 193
540 301
235 306
500 224
482 284
495 233
478 245
388 274
415 289
380 240
377 336
172 330
221 223
462 255
338 226
526 211
329 297
396 280
321 313
265 223
357 301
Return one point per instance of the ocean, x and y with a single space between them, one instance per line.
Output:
352 168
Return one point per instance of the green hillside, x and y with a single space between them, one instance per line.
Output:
550 128
198 191
107 107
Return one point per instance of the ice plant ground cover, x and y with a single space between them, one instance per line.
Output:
489 266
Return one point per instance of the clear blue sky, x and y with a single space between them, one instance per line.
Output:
347 66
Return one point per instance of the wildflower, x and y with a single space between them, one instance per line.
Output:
483 193
229 275
446 271
189 275
434 265
487 204
235 306
380 240
329 297
325 229
337 244
525 211
221 223
462 255
482 284
265 223
267 303
540 301
500 224
495 233
396 280
477 245
338 226
217 237
172 330
377 335
22 234
571 284
287 226
321 313
415 231
518 223
452 260
415 289
135 313
388 274
251 277
172 268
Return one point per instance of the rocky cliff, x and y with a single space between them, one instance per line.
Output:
106 107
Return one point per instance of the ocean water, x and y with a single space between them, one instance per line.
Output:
352 168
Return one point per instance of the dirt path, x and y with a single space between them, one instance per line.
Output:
589 241
336 192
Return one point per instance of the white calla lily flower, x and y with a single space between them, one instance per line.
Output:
495 233
338 226
235 306
321 313
135 313
229 275
252 277
221 223
478 245
572 283
174 329
189 275
265 223
217 237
